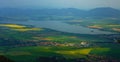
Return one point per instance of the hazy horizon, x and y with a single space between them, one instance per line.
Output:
80 4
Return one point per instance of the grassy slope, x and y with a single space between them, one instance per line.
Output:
31 53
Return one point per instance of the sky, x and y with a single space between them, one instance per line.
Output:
80 4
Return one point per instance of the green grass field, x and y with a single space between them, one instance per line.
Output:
26 53
31 53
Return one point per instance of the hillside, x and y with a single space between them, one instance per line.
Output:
97 12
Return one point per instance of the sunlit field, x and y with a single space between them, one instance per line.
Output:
20 27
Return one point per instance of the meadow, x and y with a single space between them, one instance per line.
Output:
22 43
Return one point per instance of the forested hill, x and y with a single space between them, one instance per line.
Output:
96 12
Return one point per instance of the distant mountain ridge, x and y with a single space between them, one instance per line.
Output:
104 12
97 12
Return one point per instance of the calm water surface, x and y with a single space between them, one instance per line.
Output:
60 26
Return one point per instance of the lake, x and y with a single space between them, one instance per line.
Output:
60 26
